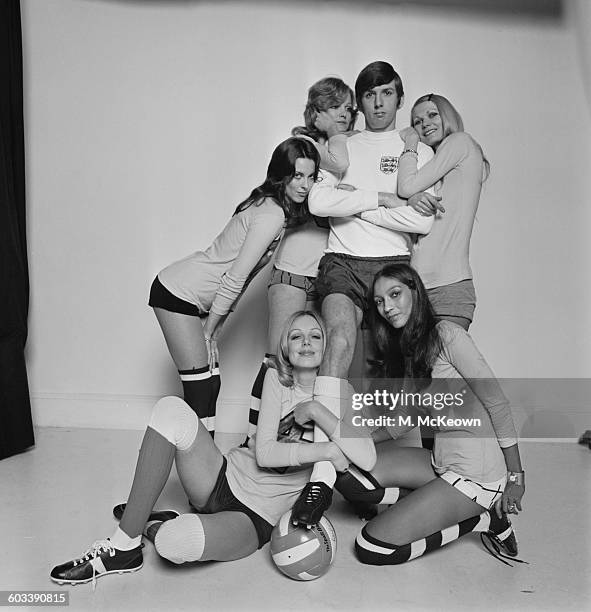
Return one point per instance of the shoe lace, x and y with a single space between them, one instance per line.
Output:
93 552
493 546
314 493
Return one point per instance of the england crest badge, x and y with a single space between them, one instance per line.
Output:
388 164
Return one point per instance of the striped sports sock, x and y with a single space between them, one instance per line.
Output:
200 389
256 394
372 551
216 383
358 486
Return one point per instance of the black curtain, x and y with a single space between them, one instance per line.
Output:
16 428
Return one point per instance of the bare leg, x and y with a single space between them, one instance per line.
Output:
461 321
186 343
432 515
402 467
198 467
184 338
423 512
283 301
397 472
229 536
222 536
342 318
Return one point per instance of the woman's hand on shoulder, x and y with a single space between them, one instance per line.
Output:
326 124
410 137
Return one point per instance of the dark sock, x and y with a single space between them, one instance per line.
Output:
151 473
256 394
200 391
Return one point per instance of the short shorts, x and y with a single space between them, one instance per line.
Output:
222 499
161 297
306 283
352 276
455 300
486 494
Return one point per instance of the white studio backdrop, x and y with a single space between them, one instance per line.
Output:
147 122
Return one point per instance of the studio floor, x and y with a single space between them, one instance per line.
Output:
57 500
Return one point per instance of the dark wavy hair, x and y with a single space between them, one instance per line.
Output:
419 339
375 74
327 92
280 172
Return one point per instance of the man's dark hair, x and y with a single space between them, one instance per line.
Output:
374 74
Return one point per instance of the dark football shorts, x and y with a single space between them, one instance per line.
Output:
351 276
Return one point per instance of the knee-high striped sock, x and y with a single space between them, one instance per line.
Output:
357 485
372 551
216 383
200 389
256 393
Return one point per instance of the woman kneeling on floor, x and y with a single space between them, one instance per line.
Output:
473 477
239 497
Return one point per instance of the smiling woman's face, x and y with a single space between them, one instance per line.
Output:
426 120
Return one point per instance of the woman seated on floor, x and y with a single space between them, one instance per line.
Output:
239 497
473 477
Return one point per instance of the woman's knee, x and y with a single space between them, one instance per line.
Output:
175 420
181 540
371 551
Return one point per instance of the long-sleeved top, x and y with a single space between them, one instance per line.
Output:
355 218
442 257
268 491
469 449
270 479
214 279
301 248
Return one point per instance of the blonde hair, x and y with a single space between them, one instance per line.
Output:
451 121
282 363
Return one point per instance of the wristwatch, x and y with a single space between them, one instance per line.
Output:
517 478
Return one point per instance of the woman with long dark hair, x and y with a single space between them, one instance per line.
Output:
473 477
206 284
